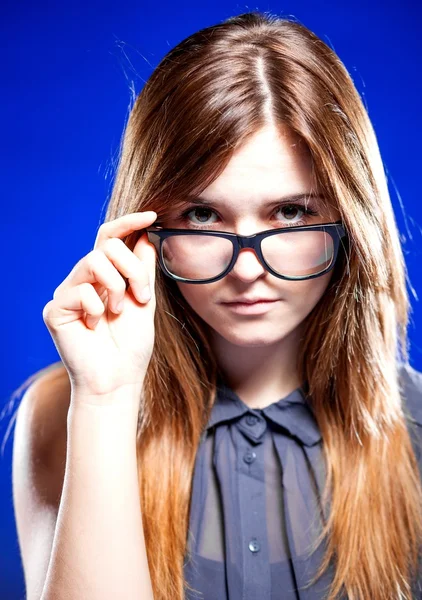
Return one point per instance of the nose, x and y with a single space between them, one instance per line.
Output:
247 266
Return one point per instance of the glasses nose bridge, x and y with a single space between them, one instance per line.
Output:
247 241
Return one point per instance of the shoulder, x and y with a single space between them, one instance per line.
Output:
42 413
38 469
411 389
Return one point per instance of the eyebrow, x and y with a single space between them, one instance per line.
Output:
287 198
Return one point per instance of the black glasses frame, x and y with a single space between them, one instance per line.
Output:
156 236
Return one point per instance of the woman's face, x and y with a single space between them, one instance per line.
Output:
243 200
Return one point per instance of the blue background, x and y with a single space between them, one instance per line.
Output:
67 73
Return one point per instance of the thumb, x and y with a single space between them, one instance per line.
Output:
147 253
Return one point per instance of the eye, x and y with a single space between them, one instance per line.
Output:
203 219
202 210
295 219
291 208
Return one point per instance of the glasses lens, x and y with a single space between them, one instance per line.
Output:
295 254
298 254
196 256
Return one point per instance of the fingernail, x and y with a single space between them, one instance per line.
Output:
146 294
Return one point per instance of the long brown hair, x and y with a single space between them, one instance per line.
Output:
206 97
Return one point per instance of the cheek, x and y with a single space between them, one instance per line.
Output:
199 297
303 296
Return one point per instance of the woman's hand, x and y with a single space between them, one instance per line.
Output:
104 332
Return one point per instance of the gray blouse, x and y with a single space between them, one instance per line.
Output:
255 508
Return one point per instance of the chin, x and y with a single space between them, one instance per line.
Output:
253 334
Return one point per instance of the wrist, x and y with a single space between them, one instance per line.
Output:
126 395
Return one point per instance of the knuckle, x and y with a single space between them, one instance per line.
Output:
92 258
103 228
86 291
103 233
57 292
46 310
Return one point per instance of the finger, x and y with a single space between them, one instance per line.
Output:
147 254
70 307
124 226
95 267
104 268
130 266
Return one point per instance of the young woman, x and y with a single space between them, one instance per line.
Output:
234 415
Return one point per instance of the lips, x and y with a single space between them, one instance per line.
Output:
253 309
250 301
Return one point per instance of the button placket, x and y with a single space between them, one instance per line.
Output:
256 568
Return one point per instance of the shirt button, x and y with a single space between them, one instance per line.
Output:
251 419
249 456
254 546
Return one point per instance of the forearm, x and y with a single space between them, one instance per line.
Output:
99 550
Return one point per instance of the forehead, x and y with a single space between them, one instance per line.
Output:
272 163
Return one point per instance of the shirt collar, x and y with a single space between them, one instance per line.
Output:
292 412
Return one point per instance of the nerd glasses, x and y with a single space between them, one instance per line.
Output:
292 253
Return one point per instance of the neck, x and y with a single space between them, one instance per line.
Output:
259 375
